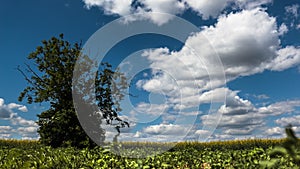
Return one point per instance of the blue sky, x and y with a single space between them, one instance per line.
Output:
256 41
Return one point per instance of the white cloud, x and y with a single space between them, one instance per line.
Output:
279 108
21 121
243 131
17 106
274 131
165 129
19 126
286 58
261 96
163 6
245 42
119 7
251 4
145 9
202 132
241 117
293 10
27 129
284 121
6 111
213 8
5 136
5 129
146 112
1 102
207 8
283 29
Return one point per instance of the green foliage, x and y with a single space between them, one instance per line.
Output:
51 81
288 152
186 156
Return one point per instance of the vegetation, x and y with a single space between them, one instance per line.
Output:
64 143
289 149
51 81
226 154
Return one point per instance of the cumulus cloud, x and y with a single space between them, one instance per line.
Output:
162 132
246 42
165 129
284 121
5 129
280 108
6 111
283 29
19 125
144 9
146 112
292 10
243 118
213 8
286 58
274 131
120 7
292 15
207 8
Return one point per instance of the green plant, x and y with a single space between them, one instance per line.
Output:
51 79
286 152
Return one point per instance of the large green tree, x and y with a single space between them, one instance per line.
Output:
50 78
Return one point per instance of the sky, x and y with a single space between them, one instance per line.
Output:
234 77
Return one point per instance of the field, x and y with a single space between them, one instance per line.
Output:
226 154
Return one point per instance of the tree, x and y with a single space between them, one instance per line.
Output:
51 81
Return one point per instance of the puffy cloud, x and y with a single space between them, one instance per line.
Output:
17 106
17 120
286 58
293 10
274 131
165 6
145 9
207 8
5 136
120 7
284 121
202 132
6 111
162 132
213 8
27 133
146 112
246 42
19 125
280 108
261 96
165 129
27 129
283 29
246 4
244 131
243 118
5 129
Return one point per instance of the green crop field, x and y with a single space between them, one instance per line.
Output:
226 154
